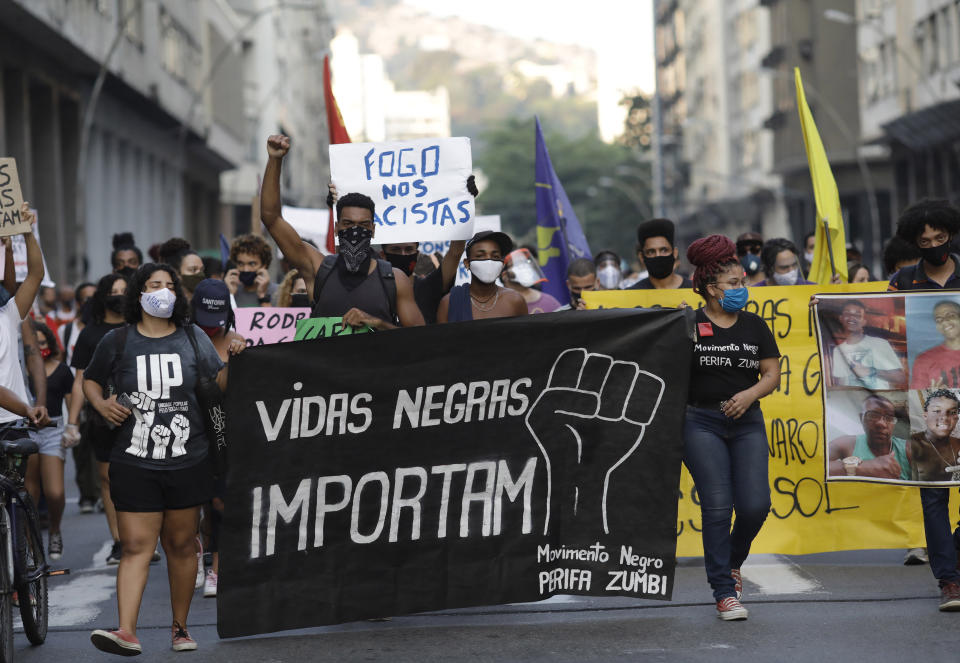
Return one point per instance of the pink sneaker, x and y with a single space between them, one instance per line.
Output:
730 609
116 641
737 582
181 639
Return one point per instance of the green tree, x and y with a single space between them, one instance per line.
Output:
608 188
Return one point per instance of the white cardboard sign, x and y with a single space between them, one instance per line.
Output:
419 187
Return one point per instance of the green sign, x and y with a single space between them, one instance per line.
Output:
310 328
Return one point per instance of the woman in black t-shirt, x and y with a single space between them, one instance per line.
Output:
160 474
725 442
45 469
106 310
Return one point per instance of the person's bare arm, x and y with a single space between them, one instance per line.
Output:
300 254
222 378
27 291
451 263
518 305
108 408
839 449
77 399
769 380
31 355
10 402
9 267
443 310
407 309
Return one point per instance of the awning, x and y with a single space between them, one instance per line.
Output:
928 127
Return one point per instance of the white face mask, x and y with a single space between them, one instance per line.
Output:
486 270
158 303
808 256
790 278
609 277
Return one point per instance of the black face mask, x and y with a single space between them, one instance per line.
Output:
355 246
300 300
751 264
406 263
659 267
115 303
247 278
126 272
936 255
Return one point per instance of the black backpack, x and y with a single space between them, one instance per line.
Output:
387 280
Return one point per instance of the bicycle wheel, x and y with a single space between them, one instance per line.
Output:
6 589
32 595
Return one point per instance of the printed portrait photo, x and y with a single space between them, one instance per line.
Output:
933 340
867 435
864 342
934 447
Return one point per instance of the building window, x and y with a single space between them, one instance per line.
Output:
132 11
179 54
749 90
926 34
746 28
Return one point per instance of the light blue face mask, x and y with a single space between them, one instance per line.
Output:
734 299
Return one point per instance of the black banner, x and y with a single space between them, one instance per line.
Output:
467 464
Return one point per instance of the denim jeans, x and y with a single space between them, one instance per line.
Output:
728 461
942 544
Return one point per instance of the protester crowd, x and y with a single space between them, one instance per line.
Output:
118 370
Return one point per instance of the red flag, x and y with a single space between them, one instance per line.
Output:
338 132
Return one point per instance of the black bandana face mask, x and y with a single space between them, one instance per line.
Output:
405 262
354 246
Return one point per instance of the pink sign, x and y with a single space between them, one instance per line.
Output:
263 326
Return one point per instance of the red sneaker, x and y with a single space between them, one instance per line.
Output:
730 609
950 597
116 641
181 640
737 582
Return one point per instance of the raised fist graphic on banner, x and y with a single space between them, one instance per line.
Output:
587 422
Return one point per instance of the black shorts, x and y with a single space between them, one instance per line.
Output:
139 489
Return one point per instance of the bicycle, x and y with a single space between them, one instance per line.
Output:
23 565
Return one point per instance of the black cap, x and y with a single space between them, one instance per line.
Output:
502 239
211 303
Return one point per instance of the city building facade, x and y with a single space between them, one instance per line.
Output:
144 155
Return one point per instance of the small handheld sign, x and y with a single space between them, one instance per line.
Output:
11 200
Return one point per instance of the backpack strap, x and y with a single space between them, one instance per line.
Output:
118 348
389 283
323 273
193 343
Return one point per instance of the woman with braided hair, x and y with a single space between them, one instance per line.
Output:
725 442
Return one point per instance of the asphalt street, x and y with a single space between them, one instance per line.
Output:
861 605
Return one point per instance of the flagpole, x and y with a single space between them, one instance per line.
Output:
826 231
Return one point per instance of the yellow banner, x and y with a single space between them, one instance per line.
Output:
807 515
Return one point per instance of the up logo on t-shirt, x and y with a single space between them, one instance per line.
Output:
157 374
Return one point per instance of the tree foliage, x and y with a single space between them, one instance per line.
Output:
608 188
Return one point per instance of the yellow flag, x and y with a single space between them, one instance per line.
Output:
828 200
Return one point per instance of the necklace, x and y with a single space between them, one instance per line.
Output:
477 302
947 464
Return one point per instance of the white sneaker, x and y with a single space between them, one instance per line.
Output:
210 584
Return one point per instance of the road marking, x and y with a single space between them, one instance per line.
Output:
78 601
99 560
559 598
775 574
